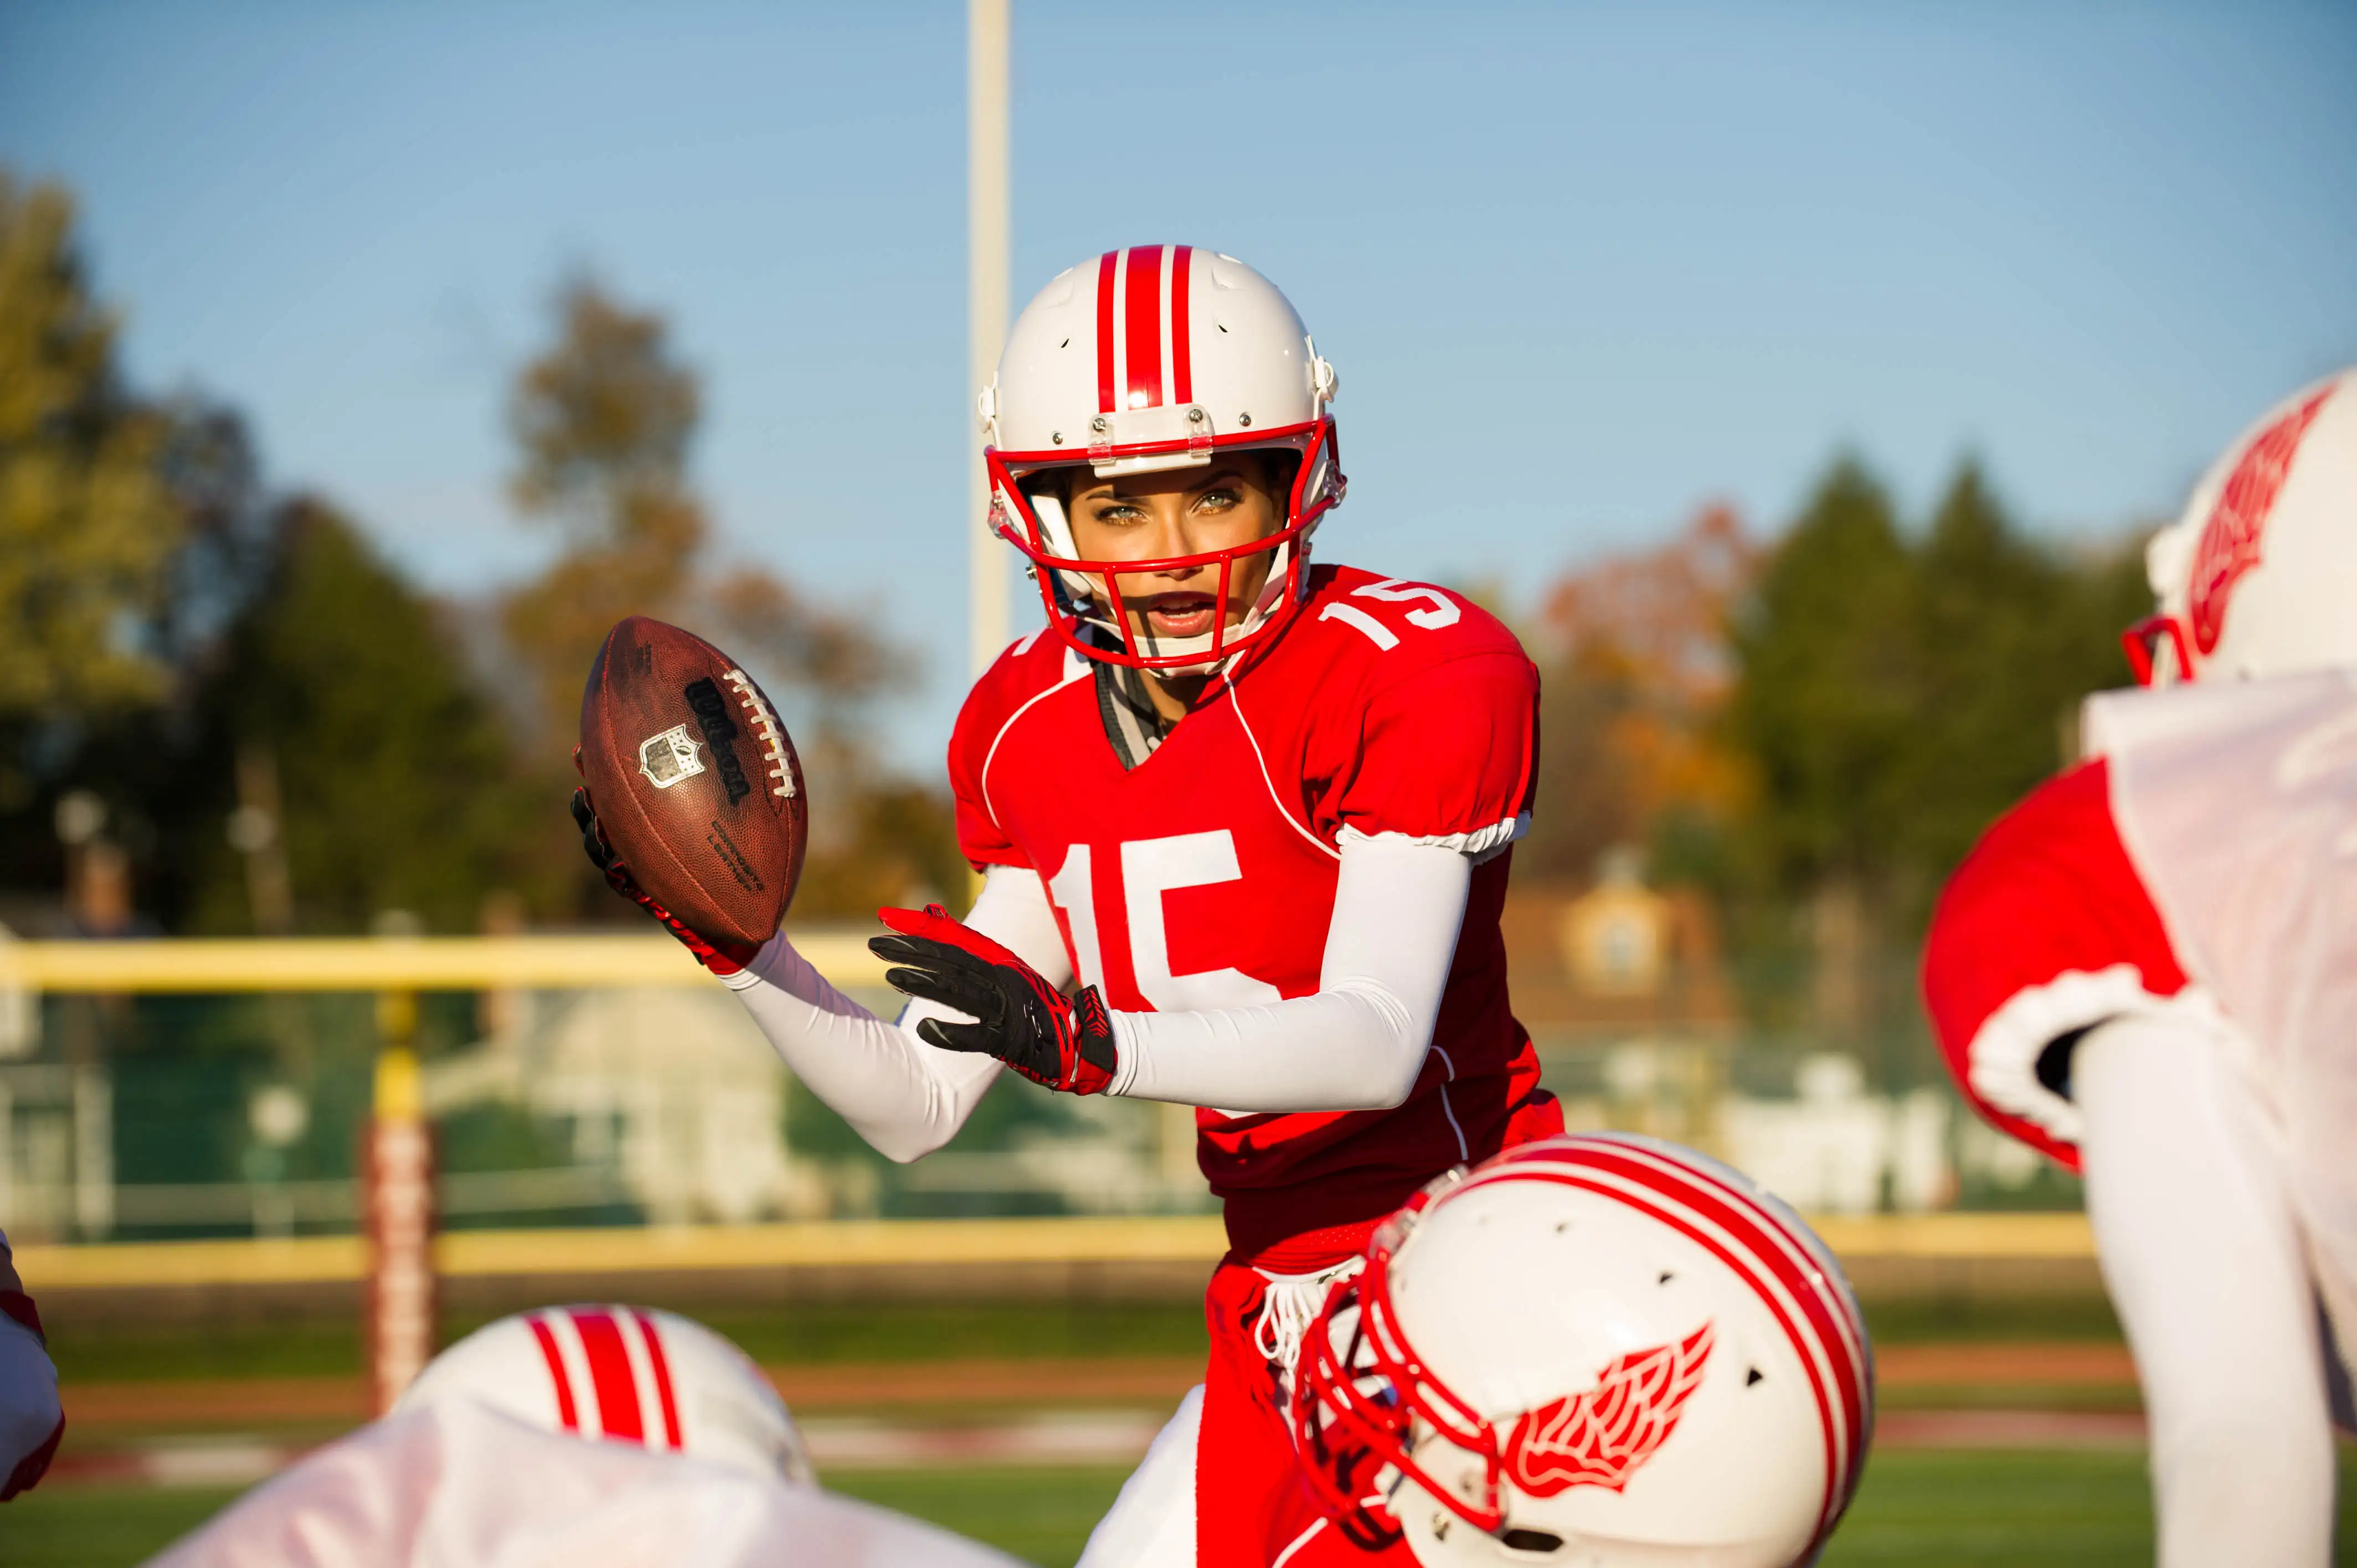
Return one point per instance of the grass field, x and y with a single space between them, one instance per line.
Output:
1923 1509
817 1333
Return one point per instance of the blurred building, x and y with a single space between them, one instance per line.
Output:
1626 994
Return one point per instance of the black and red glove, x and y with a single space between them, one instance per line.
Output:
1058 1041
719 957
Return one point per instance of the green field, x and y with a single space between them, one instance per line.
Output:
1925 1509
805 1333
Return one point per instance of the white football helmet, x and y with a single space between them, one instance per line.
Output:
628 1374
1145 358
2271 530
1600 1350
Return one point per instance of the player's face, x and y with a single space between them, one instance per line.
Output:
1179 511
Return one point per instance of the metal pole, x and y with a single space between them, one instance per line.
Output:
397 1210
987 224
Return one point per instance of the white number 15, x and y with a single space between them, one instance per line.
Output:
1149 868
1442 611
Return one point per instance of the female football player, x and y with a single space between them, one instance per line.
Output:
1244 825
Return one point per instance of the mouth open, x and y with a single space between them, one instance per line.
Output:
1181 615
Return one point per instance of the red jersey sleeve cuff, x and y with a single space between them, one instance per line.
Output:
2002 1059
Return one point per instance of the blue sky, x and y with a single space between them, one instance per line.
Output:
1582 267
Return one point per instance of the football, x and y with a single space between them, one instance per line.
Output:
695 780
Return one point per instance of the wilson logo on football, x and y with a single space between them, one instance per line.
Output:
2229 540
1600 1438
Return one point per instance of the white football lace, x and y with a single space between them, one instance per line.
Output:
773 743
1290 1305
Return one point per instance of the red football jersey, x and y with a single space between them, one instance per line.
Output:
2044 931
1204 877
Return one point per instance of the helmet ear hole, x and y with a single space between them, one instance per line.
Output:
1536 1540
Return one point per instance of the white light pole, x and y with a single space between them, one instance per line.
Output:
986 220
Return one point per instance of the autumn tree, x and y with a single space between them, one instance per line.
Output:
604 423
1637 670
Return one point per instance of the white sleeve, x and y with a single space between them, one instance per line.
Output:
1358 1043
2202 1253
904 1096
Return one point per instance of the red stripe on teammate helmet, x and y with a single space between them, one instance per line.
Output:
610 1374
662 1365
1763 1236
1106 263
1797 1267
1141 326
1766 1236
1182 357
1670 1216
569 1418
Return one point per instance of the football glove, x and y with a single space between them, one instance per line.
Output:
722 958
1060 1042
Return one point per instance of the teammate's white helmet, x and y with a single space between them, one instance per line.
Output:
1150 358
628 1374
2259 576
1600 1350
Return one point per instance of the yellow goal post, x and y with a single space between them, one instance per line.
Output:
200 966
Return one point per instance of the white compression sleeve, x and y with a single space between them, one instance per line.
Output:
2203 1256
1358 1043
904 1096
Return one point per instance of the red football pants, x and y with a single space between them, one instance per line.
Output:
1252 1504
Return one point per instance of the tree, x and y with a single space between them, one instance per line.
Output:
604 422
1827 701
1894 696
2012 635
394 777
88 525
1637 669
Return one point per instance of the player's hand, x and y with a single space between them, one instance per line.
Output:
1062 1042
31 1423
720 958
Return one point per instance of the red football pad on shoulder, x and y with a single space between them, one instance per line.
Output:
694 780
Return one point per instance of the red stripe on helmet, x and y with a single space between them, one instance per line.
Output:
662 1365
1141 326
2229 538
1835 1481
567 1416
611 1374
1794 1265
1182 357
1840 1411
1106 263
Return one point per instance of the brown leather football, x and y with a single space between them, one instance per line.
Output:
695 780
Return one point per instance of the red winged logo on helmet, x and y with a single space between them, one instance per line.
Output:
2229 538
1600 1437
